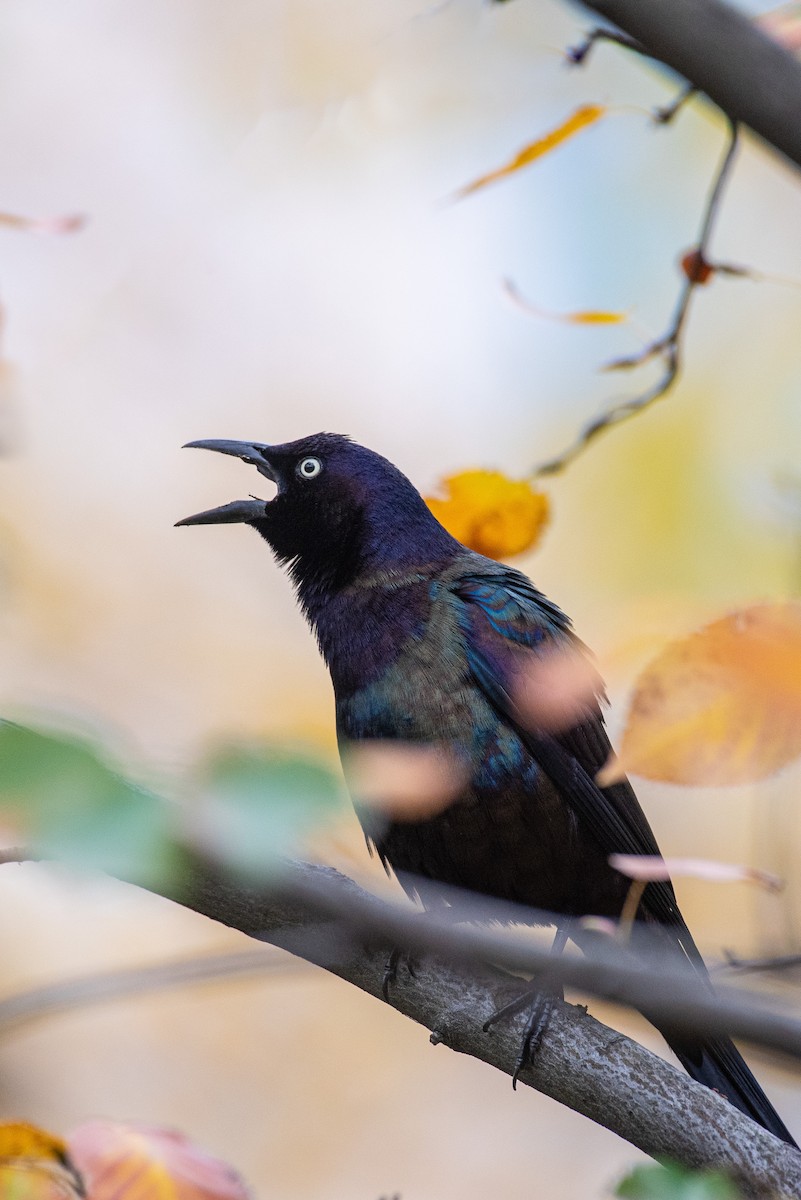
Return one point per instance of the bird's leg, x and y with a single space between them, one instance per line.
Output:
390 977
540 998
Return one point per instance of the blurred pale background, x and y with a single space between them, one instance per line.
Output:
269 252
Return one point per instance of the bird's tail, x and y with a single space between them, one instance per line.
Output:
714 1061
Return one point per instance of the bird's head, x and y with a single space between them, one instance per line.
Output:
339 509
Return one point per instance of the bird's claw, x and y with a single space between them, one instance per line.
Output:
541 1003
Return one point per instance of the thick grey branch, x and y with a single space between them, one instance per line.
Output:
747 74
582 1064
326 919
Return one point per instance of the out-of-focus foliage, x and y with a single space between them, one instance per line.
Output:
651 867
60 796
490 513
584 316
405 780
255 804
783 24
131 1161
35 1165
586 115
248 806
722 706
670 1182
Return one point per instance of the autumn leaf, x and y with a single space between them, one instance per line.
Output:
722 706
35 1165
48 225
589 316
131 1161
651 868
783 24
490 513
555 689
580 119
405 780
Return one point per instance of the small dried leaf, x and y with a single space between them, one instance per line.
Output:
591 317
651 868
47 225
722 706
128 1162
405 780
604 925
580 119
585 317
554 689
783 24
494 515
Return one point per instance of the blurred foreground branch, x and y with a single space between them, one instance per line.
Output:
723 54
326 919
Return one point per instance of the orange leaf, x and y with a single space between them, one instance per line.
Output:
489 513
580 119
129 1162
722 706
34 1165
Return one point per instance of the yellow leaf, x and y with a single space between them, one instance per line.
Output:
722 706
591 318
581 317
580 119
494 515
34 1165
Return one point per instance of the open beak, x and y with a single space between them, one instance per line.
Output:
238 511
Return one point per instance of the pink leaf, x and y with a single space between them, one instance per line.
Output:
128 1161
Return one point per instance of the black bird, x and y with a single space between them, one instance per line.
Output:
423 639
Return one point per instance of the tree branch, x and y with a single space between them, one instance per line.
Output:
582 1063
326 919
719 51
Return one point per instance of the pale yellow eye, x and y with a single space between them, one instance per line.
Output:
309 468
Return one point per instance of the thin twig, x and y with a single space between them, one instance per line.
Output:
748 74
100 987
773 963
668 347
577 56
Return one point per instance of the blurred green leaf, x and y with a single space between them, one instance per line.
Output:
668 1181
257 803
72 806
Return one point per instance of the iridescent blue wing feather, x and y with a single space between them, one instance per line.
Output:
503 614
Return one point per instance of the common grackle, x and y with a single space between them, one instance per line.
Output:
423 639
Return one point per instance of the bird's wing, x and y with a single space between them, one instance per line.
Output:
503 617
